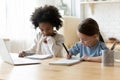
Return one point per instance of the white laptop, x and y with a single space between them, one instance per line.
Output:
12 58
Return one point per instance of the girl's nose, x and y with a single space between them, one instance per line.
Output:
44 32
82 41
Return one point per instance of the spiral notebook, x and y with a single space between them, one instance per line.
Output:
67 62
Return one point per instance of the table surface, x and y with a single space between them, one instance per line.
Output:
44 71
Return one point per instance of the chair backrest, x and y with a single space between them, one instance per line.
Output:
69 30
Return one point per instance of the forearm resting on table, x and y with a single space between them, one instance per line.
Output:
94 59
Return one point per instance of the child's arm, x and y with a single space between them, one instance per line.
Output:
31 50
92 59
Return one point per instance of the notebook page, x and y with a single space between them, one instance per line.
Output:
37 56
65 61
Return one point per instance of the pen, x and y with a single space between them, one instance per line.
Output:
65 48
113 46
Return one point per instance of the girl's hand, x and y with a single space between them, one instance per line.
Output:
86 58
69 56
22 54
92 59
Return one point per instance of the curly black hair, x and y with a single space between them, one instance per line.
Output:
48 14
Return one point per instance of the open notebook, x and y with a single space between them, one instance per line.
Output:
12 58
67 62
40 57
64 61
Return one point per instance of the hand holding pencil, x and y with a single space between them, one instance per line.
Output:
68 54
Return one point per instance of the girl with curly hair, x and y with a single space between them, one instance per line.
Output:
47 41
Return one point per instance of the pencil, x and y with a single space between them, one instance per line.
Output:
65 48
113 46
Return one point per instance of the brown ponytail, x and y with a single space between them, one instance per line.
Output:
100 37
90 27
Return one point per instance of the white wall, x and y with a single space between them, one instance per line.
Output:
44 2
108 18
